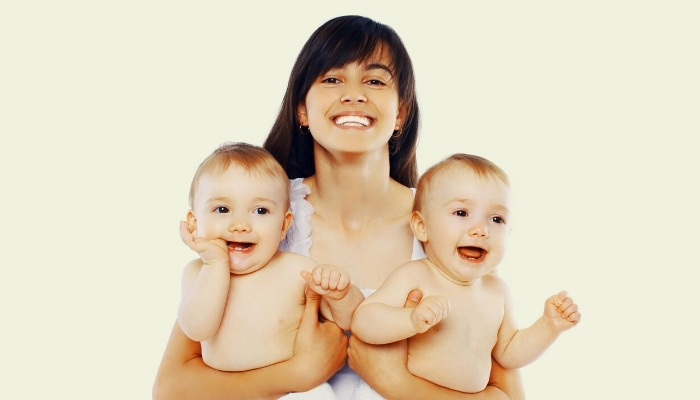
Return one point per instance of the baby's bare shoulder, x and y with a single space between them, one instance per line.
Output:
495 283
292 261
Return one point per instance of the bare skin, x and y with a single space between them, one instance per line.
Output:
373 239
319 352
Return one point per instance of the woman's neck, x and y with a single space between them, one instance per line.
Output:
353 193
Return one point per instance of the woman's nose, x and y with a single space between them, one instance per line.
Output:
353 93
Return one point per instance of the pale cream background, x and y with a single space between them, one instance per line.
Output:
106 108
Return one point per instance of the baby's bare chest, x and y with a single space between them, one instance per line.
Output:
472 323
267 306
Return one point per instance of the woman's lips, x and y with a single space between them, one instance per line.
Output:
353 120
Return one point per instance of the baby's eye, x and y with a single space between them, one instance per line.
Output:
461 213
261 210
499 220
221 210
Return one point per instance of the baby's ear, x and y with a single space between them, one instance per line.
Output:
418 226
192 221
286 223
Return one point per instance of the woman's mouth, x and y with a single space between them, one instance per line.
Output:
472 253
353 120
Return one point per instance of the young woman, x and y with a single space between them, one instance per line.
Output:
346 134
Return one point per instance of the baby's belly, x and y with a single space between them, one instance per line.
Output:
249 343
451 363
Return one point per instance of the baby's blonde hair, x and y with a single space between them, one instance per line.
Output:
254 159
482 167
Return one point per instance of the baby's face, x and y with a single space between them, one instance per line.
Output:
466 220
247 211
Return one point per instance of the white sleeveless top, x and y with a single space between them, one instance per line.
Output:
298 240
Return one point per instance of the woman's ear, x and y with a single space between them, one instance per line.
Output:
400 117
286 223
418 226
301 114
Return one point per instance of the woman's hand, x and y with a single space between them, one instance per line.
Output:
320 347
382 367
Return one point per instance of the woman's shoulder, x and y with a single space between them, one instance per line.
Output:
298 239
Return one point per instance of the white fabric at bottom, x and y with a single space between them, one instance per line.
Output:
322 392
364 392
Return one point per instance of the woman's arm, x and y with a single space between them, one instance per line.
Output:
319 351
384 369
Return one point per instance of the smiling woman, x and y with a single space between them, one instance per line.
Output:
372 64
108 107
367 110
356 181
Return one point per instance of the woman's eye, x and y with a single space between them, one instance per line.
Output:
261 210
331 80
461 213
221 210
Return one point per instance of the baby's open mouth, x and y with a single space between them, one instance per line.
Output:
472 253
353 120
239 246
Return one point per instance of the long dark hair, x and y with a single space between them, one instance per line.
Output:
336 43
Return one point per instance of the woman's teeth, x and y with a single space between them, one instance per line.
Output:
352 120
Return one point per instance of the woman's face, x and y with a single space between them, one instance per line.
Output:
354 108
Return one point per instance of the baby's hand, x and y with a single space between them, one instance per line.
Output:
328 280
429 312
561 313
210 251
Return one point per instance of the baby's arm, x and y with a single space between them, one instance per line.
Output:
205 285
381 318
340 297
517 348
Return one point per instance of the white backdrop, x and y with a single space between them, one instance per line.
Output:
106 108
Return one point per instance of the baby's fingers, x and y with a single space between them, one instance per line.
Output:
194 243
321 276
574 317
337 280
571 313
186 233
438 308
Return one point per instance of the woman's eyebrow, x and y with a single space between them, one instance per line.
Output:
379 66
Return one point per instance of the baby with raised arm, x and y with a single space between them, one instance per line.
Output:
243 298
461 216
